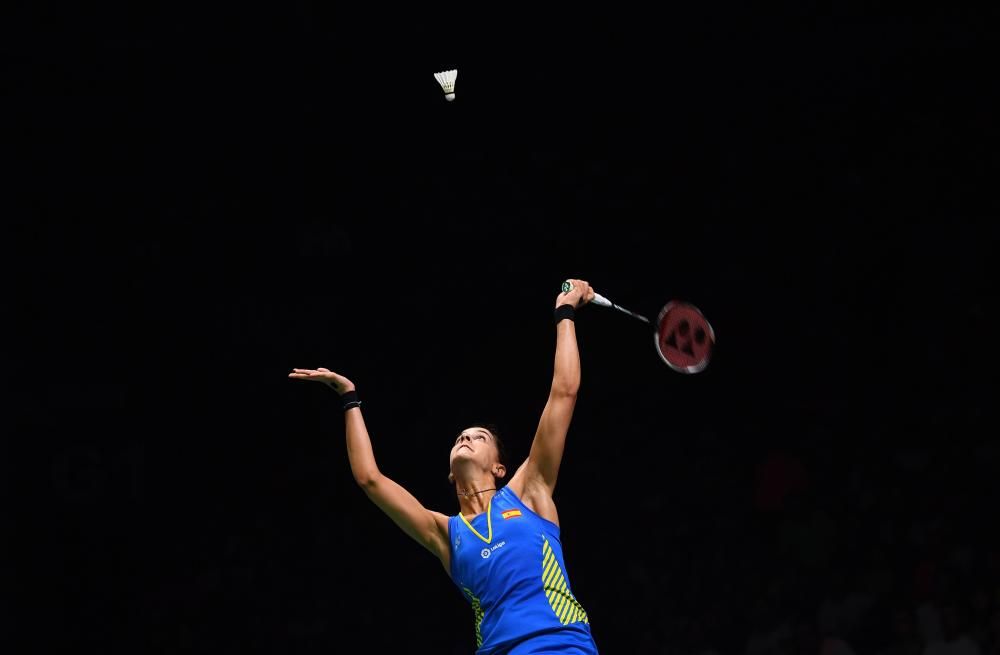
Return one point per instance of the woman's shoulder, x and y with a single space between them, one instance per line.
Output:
507 493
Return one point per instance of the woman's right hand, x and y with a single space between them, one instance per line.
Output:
339 383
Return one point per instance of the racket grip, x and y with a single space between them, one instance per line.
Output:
597 300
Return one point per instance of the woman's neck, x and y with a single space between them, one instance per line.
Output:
474 494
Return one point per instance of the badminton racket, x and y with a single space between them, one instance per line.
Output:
683 337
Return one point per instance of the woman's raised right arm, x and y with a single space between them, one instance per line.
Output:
427 527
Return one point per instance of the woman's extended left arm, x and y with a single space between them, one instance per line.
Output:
537 476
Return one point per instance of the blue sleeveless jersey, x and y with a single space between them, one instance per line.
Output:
508 563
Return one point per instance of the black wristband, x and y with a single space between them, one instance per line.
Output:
349 399
565 311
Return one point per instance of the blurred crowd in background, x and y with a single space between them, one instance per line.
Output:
869 546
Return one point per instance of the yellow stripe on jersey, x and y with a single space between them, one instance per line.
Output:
477 610
565 606
489 523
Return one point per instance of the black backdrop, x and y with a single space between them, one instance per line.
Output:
214 195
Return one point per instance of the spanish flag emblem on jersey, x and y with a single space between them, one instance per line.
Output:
511 513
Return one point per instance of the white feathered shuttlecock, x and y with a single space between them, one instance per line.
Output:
447 81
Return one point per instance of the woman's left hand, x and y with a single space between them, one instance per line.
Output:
579 294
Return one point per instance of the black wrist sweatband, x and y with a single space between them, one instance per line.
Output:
349 399
565 311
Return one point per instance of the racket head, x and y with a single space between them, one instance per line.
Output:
684 338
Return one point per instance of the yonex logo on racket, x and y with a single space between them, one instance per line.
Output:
684 338
681 338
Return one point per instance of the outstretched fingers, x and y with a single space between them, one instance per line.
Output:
302 373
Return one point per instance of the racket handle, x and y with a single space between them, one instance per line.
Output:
597 300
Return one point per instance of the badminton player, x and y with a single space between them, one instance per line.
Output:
502 549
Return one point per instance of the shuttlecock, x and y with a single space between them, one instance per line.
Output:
447 81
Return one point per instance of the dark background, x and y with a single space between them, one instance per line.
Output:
216 194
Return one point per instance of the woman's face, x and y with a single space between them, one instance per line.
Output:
475 446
